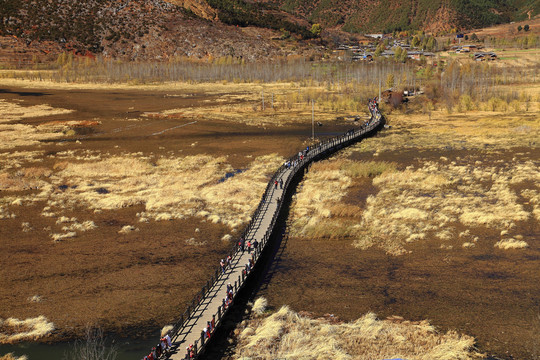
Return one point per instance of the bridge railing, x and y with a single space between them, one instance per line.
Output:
316 151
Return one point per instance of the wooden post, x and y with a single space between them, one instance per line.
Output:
312 119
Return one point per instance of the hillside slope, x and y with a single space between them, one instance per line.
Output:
128 29
165 29
389 15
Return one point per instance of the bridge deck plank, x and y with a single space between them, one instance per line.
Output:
214 298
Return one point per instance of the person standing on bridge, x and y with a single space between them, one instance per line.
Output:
163 345
241 243
222 264
281 183
249 247
275 184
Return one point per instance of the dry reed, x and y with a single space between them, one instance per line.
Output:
288 335
317 205
14 330
11 356
168 188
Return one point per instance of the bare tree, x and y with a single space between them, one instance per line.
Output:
92 347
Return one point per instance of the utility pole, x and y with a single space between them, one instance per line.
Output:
380 84
312 119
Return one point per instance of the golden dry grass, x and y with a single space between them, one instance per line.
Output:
259 306
170 188
166 329
288 335
533 196
11 356
427 203
14 330
475 130
127 229
507 244
317 204
13 134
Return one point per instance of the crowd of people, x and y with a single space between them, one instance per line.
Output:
160 349
294 162
244 245
374 109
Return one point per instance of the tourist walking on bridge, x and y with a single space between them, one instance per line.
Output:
241 244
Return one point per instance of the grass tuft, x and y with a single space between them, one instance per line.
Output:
14 330
287 335
507 244
259 307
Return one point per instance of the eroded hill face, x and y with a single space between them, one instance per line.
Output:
198 7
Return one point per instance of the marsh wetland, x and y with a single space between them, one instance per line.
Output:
117 202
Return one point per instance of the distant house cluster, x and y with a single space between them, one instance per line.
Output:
483 56
362 52
465 48
478 55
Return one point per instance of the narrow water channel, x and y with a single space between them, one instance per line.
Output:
127 349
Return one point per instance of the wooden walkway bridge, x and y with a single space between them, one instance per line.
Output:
188 335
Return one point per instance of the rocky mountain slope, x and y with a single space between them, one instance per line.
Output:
165 29
128 29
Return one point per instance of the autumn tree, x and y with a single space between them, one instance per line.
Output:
415 41
379 50
390 81
316 29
